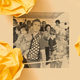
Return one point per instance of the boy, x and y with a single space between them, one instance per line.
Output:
52 44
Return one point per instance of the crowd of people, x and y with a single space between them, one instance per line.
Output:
39 42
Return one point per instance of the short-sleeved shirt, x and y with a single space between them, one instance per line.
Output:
57 28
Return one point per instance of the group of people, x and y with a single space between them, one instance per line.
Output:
39 42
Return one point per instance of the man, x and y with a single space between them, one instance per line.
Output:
43 26
28 26
57 27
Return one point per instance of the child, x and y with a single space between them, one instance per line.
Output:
52 44
17 31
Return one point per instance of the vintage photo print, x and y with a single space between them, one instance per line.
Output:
43 38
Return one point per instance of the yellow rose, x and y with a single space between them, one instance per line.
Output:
16 7
10 62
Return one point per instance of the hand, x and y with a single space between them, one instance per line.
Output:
25 56
55 53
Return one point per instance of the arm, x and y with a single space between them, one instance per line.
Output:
25 53
18 41
46 35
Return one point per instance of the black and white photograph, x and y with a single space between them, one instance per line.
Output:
43 38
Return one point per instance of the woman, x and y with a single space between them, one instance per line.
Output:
44 44
34 51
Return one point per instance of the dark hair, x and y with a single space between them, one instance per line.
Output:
15 21
57 21
67 28
20 23
28 21
18 28
47 26
43 22
52 29
22 27
35 21
65 23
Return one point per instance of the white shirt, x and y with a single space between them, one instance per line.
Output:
57 28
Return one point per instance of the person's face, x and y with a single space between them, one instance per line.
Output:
48 28
29 24
57 24
52 32
44 24
36 26
17 32
23 31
